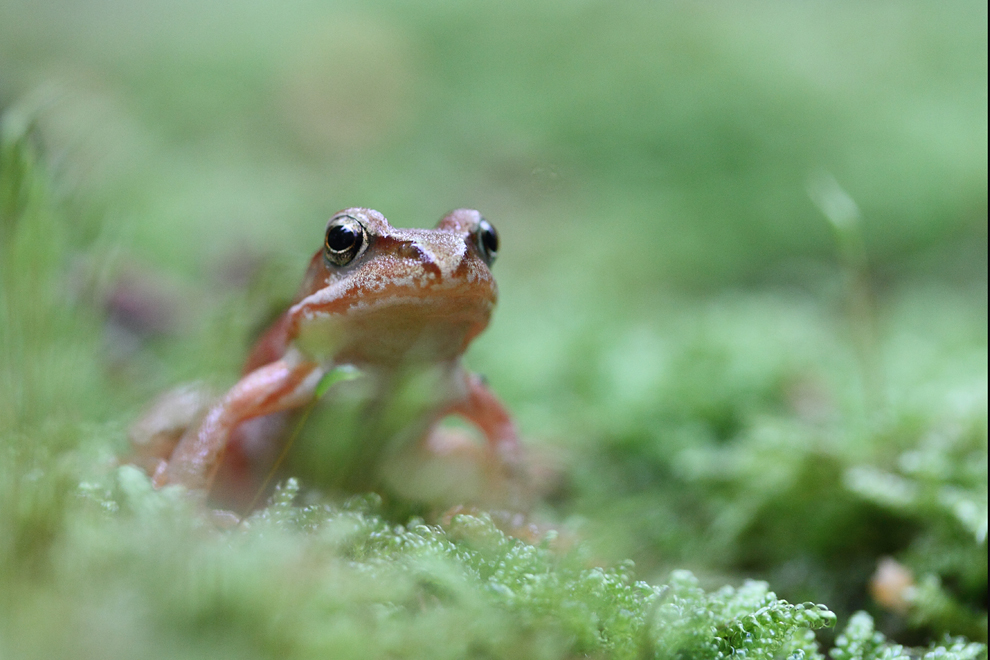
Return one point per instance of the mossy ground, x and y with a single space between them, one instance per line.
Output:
743 321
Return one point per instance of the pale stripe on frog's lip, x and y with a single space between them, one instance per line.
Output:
372 288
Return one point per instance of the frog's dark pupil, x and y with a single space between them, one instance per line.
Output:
490 240
341 238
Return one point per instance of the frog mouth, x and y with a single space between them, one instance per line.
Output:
471 293
400 325
417 313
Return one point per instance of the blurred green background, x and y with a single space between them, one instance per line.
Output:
715 375
640 145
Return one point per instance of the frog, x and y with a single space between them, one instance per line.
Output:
385 303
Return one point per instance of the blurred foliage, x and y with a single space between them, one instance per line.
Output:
697 126
707 378
860 641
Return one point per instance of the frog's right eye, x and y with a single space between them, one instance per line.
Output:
346 239
486 240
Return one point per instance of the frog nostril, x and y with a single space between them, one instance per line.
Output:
411 251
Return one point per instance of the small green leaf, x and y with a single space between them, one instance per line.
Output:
336 375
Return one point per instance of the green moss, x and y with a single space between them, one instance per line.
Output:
347 577
861 641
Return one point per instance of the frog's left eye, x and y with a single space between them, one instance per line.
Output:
346 239
486 240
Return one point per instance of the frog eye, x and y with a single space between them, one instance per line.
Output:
346 239
486 240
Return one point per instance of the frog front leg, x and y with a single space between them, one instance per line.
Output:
481 407
500 475
156 433
281 385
